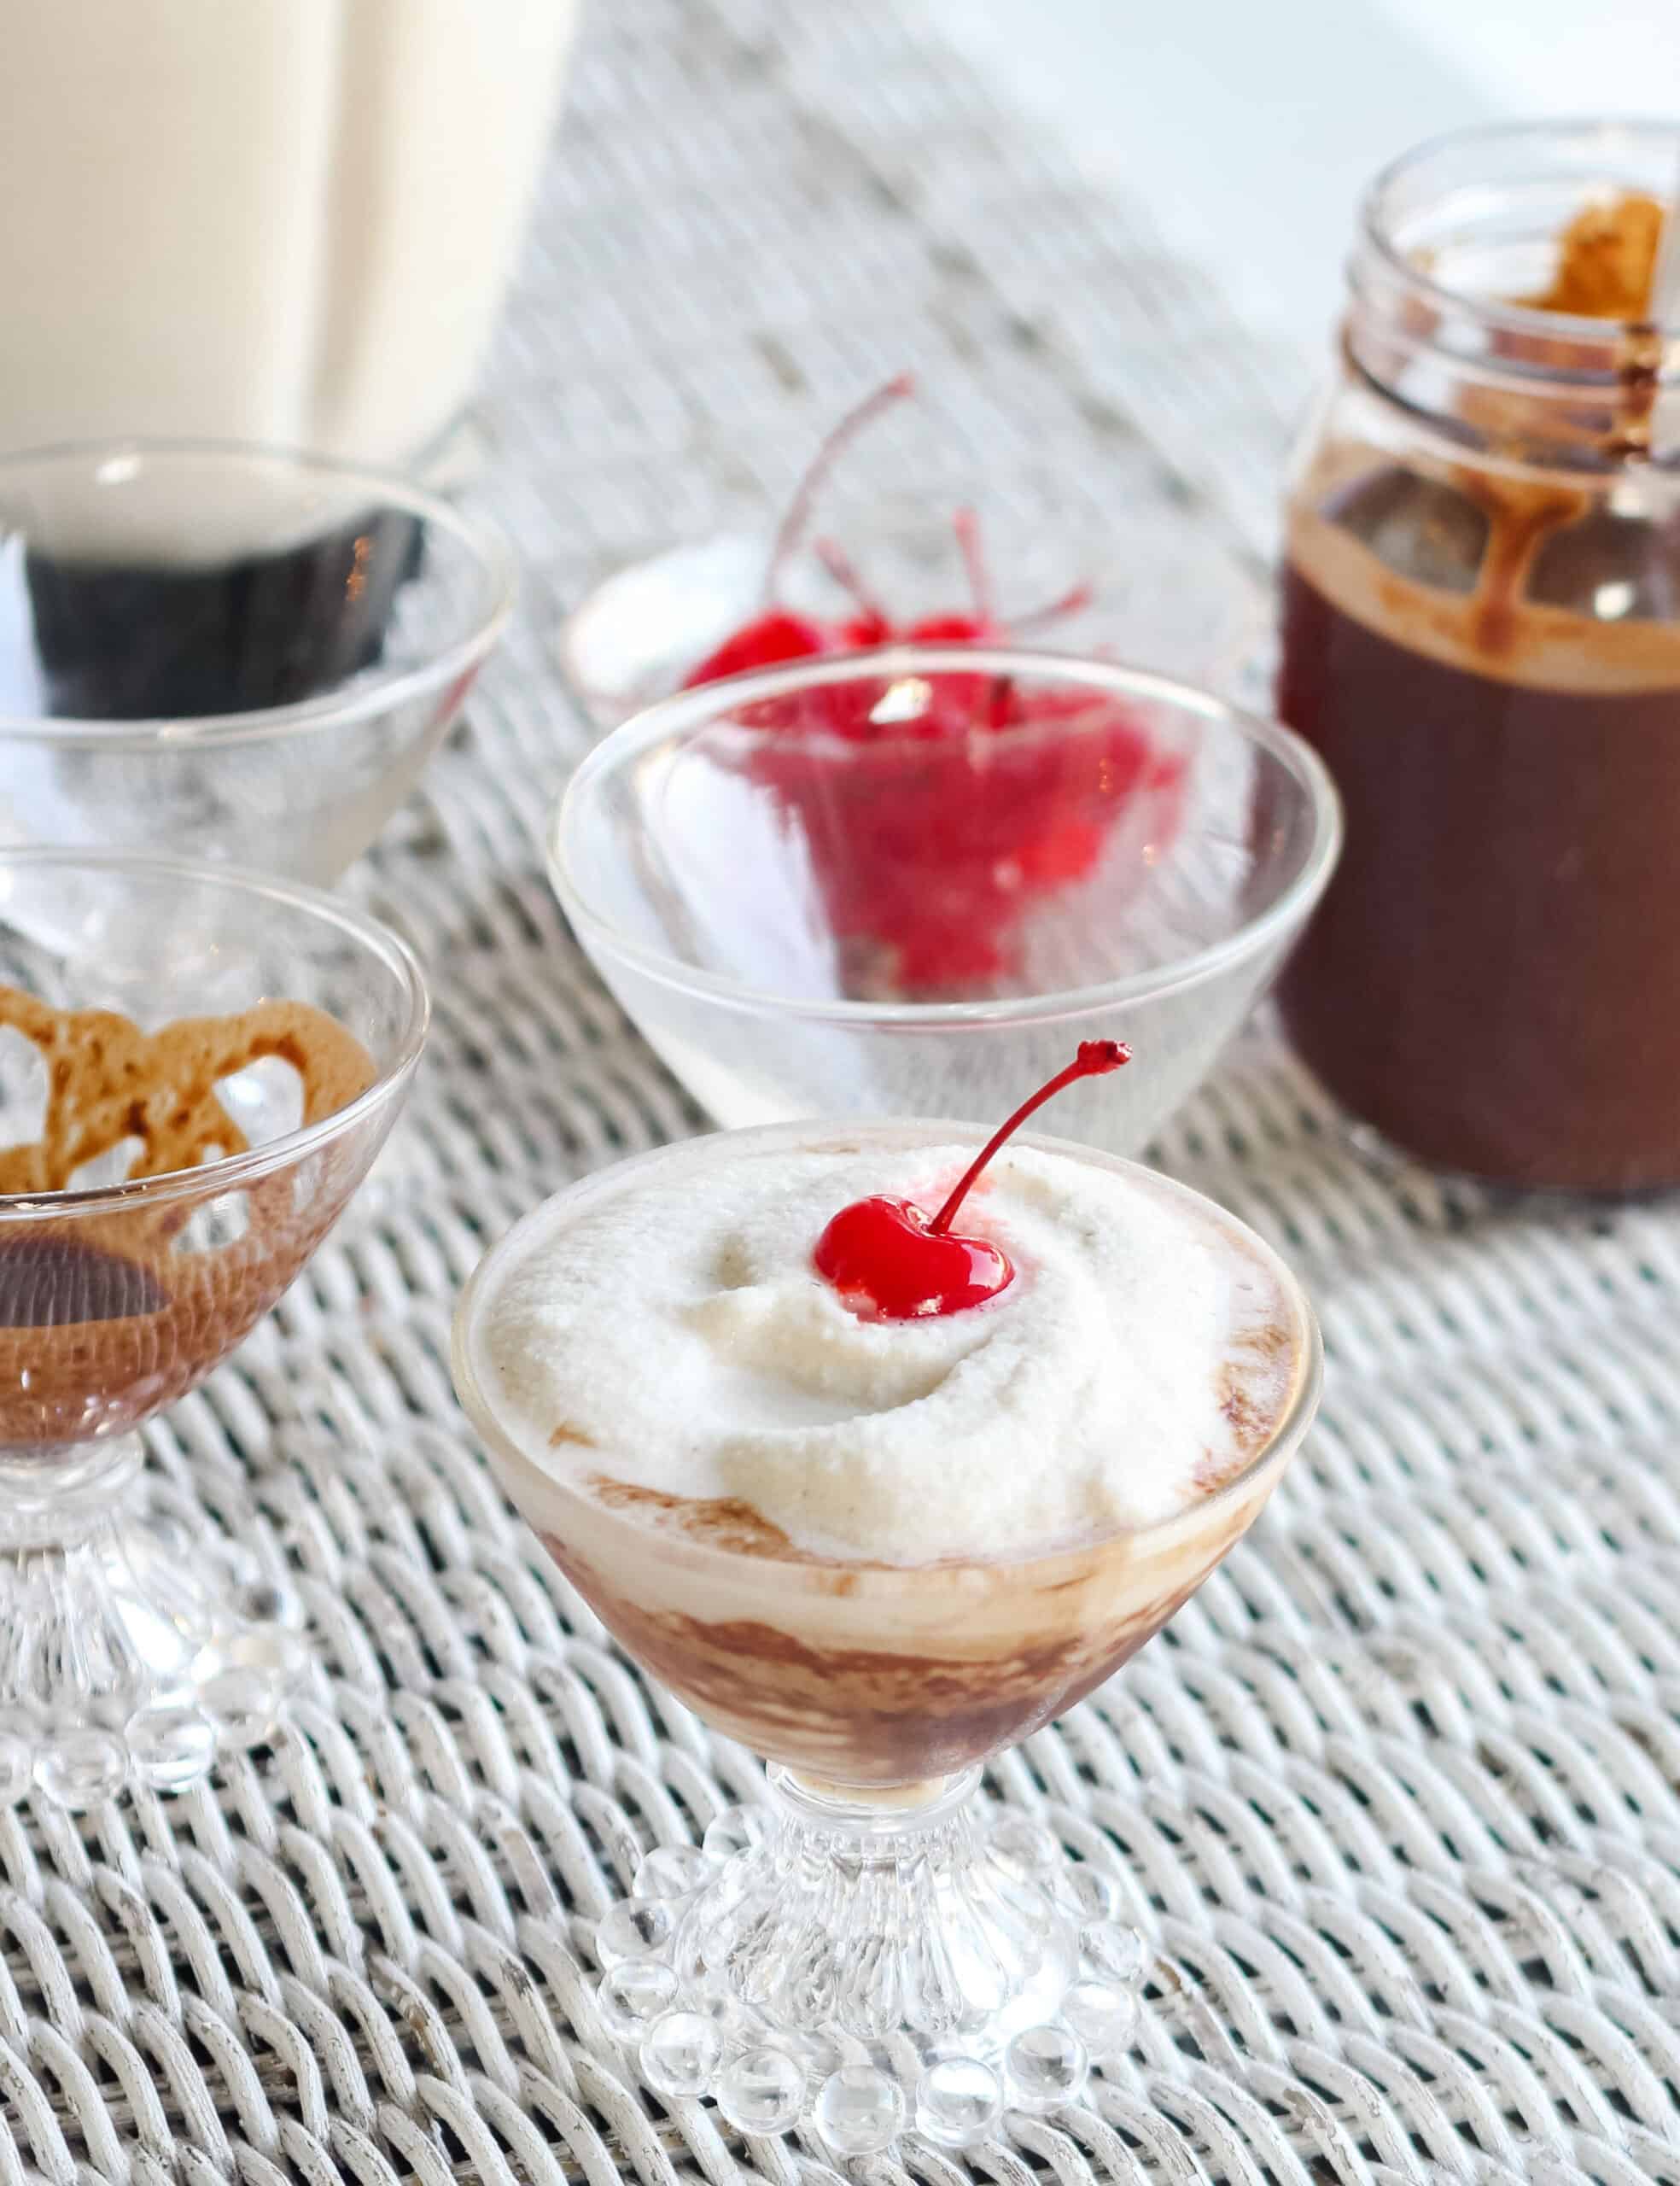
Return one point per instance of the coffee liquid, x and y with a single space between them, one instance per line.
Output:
1493 677
112 641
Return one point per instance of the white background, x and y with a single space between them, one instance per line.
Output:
1249 127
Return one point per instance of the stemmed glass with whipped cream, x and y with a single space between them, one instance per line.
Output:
880 1455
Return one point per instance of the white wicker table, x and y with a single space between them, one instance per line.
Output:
1397 1798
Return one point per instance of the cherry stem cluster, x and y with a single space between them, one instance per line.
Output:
844 571
798 515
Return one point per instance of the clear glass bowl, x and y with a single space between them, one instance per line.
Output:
230 652
123 1647
805 921
873 1949
1158 596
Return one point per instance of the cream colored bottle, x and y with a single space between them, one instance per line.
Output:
291 221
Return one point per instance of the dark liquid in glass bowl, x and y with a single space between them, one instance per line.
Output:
1493 978
112 642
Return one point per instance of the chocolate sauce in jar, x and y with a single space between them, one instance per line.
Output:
1481 635
1492 979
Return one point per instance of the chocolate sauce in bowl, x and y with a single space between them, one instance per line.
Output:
113 1307
49 1281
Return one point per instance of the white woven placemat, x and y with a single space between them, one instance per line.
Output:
1397 1798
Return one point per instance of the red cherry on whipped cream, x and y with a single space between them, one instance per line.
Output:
891 1261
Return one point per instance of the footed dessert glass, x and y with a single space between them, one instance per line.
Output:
874 1949
125 1646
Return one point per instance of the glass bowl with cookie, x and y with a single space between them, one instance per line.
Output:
197 1066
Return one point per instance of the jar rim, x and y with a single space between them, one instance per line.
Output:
1451 236
1588 151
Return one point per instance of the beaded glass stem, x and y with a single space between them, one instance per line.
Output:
919 1964
131 1649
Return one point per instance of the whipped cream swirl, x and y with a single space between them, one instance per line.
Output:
676 1337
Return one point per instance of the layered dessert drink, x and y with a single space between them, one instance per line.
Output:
881 1546
880 1454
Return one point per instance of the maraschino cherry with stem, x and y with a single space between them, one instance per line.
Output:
890 1262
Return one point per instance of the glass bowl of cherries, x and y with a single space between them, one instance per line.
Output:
855 564
900 881
874 853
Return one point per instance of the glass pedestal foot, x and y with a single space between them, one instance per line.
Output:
130 1650
870 1969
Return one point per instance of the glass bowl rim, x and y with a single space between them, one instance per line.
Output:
1280 1445
687 711
370 934
253 724
622 580
892 515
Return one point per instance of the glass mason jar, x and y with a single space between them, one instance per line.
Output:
1481 635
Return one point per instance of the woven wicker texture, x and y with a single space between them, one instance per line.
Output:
1396 1800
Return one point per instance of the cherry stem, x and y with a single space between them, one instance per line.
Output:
799 508
1095 1060
966 525
843 570
1076 597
